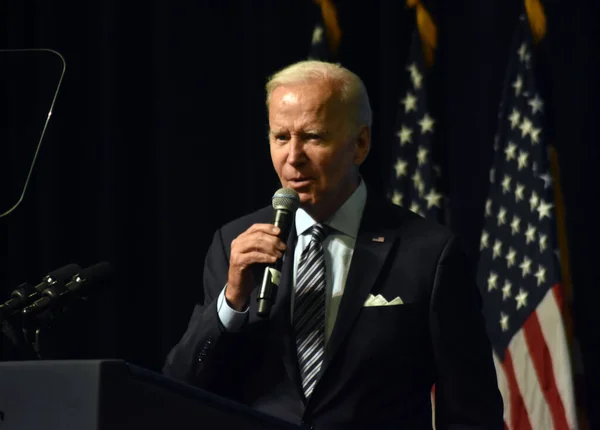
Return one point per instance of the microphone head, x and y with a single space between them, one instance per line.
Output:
95 273
285 199
63 274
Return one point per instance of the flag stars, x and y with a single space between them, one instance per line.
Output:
514 225
547 178
530 234
522 51
400 167
503 321
534 135
518 85
525 266
412 68
497 249
522 160
317 35
506 184
519 189
418 182
534 200
521 298
409 102
544 209
422 156
510 151
414 207
426 124
433 199
397 198
543 242
537 105
483 242
511 255
514 118
415 75
488 207
417 80
540 275
506 290
405 135
491 281
526 127
501 216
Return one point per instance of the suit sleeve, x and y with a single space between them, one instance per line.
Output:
467 395
203 357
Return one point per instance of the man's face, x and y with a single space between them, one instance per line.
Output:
313 149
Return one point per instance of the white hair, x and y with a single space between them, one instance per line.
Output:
347 85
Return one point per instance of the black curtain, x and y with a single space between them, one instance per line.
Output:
158 137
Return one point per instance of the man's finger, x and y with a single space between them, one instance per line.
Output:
265 228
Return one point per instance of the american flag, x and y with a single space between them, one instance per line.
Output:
320 46
415 174
518 272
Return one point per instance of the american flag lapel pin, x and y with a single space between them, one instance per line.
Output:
379 239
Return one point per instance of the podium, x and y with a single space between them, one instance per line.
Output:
115 395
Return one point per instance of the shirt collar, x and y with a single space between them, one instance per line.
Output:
345 220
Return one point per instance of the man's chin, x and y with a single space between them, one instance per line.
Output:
306 199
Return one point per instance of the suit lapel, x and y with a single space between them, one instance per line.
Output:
371 250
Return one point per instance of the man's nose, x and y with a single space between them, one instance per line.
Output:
296 154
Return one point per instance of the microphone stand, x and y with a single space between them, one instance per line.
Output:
22 347
33 344
36 329
37 326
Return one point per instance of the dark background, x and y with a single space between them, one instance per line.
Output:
158 137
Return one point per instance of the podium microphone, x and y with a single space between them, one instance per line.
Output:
285 201
57 293
25 293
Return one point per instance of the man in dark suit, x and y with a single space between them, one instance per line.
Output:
375 304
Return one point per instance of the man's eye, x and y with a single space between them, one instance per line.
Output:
281 137
313 136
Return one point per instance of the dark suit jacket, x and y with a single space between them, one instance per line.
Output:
380 362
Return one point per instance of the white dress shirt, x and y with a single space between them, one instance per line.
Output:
338 246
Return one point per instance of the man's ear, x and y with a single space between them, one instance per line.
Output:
362 145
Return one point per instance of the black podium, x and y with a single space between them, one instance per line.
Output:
115 395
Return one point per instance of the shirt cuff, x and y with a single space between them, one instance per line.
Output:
231 319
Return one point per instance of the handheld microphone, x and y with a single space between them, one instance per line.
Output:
59 292
25 293
285 201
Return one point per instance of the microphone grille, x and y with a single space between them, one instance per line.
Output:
286 199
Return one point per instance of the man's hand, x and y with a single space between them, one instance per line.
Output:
258 244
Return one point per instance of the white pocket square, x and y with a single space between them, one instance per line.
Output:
379 300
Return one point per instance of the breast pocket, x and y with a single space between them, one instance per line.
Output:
392 330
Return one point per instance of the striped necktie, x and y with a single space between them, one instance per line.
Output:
309 310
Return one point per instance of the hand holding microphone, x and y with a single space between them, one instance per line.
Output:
261 244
